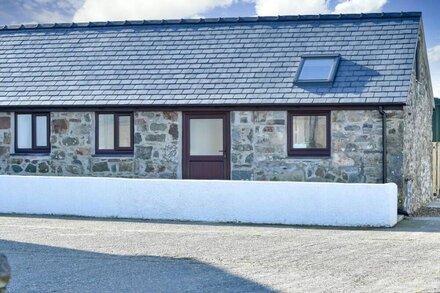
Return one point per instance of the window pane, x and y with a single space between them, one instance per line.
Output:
124 131
309 132
206 137
24 131
106 139
317 69
41 129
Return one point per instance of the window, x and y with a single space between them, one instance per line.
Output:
317 69
114 133
32 133
308 133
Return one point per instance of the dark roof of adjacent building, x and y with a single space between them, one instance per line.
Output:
225 61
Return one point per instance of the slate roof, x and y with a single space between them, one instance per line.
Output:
227 61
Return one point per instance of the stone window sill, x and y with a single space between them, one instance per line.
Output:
122 156
45 155
309 158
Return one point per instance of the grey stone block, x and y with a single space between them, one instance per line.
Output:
5 273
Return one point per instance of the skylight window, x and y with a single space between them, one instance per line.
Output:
317 69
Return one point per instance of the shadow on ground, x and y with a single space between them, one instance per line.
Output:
41 268
418 224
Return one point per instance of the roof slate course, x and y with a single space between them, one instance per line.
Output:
209 61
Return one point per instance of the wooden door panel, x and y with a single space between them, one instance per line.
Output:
206 170
206 166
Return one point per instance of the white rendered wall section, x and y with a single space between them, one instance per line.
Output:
296 203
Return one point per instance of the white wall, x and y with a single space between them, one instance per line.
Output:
333 204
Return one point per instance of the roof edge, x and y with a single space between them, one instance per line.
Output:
249 19
199 106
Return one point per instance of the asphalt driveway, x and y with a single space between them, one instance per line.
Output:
87 255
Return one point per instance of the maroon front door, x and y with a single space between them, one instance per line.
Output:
206 145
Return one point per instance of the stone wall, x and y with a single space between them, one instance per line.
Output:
259 148
395 146
418 135
5 141
72 136
156 148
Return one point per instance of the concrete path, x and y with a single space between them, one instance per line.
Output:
86 255
435 204
431 210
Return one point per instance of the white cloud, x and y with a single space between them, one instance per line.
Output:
285 7
435 78
95 10
37 11
436 89
434 64
103 10
434 53
50 16
359 6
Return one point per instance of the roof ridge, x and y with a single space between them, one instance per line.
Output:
215 20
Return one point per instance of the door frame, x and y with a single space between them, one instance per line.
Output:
186 116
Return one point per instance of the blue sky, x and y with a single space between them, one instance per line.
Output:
44 11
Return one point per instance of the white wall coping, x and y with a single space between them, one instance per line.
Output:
261 202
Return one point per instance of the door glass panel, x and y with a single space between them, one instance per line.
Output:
41 129
206 137
124 132
106 132
24 131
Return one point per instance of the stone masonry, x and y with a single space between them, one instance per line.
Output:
417 138
259 148
156 148
156 144
5 141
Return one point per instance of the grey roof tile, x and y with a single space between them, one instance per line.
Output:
247 60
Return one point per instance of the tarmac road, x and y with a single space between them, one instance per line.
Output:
91 255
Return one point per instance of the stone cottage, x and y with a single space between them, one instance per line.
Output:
338 98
